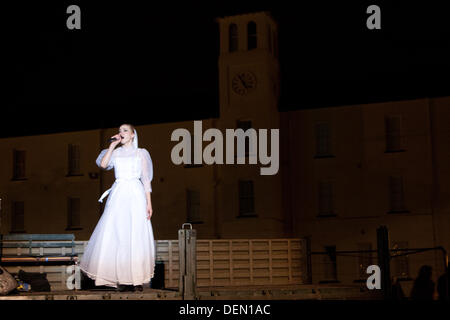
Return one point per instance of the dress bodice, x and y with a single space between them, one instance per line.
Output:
128 166
129 163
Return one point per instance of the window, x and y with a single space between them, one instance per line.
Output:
323 140
19 164
269 39
251 35
233 38
400 261
193 206
396 194
275 43
246 198
330 264
364 259
18 217
74 160
325 196
73 214
393 133
244 125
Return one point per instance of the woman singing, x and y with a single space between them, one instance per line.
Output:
121 250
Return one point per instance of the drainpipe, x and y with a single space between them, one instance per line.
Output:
434 188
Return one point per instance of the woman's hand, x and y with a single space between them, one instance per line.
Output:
149 212
115 142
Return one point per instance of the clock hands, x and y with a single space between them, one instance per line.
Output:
243 82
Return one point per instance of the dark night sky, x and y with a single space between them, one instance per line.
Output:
161 61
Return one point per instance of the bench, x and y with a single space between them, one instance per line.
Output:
20 249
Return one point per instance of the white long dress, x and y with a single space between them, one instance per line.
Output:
121 249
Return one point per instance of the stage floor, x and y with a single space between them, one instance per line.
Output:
146 294
295 292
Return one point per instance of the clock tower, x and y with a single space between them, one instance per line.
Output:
249 204
248 68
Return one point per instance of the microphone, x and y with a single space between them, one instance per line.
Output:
112 139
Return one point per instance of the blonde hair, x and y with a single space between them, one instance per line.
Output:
130 125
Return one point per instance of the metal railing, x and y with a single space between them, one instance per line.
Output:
402 264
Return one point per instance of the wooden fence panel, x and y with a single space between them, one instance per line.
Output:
220 262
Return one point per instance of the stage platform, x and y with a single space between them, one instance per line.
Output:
294 292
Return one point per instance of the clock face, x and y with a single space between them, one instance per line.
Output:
243 82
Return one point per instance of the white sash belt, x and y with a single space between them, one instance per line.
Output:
118 180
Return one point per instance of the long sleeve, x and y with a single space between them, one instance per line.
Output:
147 170
100 157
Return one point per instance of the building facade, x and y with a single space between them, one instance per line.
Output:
50 183
343 171
355 168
